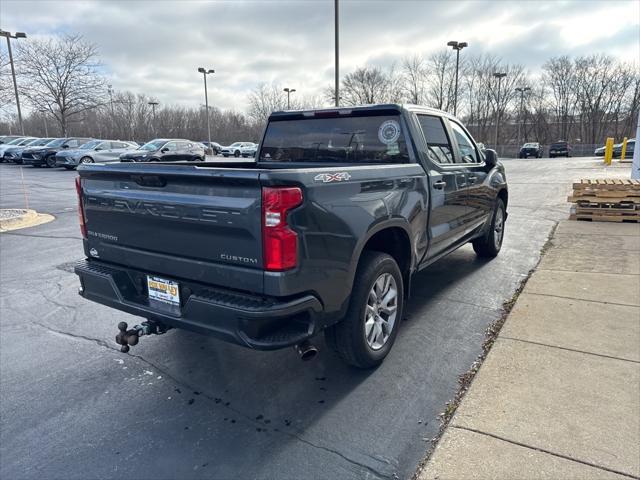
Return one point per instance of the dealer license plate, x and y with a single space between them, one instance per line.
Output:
163 291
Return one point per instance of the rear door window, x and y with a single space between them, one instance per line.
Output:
340 139
439 146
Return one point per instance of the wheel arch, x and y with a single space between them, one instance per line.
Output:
394 239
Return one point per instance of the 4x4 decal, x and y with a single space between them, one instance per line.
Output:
332 177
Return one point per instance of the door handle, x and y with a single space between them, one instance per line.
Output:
472 178
440 184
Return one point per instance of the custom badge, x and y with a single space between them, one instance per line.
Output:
389 132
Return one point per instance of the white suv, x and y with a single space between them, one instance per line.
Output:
236 149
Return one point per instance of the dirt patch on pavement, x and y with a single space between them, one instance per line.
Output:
14 219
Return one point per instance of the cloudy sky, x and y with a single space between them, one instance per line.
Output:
155 46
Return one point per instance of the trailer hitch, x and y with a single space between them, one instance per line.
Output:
129 338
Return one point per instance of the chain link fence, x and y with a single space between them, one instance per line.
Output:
512 151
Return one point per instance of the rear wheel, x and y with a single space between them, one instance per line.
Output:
86 160
490 243
236 153
366 334
50 161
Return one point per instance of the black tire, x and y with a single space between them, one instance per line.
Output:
236 153
488 246
68 167
86 160
348 338
50 161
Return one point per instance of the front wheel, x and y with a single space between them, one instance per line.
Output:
86 160
50 161
490 243
236 153
366 334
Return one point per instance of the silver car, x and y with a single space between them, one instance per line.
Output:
95 151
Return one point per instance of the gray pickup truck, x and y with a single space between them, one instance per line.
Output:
322 233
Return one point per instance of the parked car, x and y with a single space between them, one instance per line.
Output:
617 149
92 152
249 150
16 142
530 149
14 154
8 138
560 149
165 150
324 234
46 155
235 149
214 148
631 145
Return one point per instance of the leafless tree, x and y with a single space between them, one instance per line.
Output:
365 85
414 79
6 87
441 77
559 76
60 75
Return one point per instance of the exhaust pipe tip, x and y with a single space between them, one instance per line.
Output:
306 351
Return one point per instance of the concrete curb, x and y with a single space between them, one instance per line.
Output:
23 219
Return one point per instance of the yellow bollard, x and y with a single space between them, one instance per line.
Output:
623 152
608 151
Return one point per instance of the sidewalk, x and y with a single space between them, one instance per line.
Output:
558 396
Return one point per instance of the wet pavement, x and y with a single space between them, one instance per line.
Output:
188 406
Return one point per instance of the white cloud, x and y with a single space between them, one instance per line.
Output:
155 47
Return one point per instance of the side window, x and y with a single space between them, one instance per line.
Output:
467 149
440 150
171 146
72 143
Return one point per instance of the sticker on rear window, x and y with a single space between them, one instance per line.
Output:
389 132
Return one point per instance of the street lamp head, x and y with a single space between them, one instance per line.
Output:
201 70
211 71
21 35
452 44
499 74
461 45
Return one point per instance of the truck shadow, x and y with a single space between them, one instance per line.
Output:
249 394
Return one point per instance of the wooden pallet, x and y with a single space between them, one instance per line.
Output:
606 200
604 184
605 218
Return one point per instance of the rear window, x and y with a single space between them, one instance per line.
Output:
362 139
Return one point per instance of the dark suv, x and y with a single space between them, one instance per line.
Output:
530 149
560 149
165 150
46 155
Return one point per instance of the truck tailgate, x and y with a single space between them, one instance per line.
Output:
203 224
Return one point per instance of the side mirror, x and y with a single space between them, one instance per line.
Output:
97 149
164 150
490 158
65 146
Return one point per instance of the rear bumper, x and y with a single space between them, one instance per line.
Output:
263 323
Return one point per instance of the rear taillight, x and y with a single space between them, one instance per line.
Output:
279 242
83 225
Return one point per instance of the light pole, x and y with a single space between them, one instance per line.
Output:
457 46
499 76
204 73
44 118
289 92
522 91
153 104
8 36
337 52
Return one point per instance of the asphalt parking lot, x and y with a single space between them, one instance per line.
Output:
188 406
